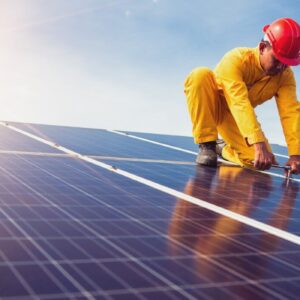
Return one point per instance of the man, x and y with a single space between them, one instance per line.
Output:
223 101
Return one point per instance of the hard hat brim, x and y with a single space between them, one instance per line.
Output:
288 61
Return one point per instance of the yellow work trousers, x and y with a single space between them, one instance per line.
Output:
211 116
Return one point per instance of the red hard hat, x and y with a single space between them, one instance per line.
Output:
284 35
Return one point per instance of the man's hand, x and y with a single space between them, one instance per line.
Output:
263 159
294 162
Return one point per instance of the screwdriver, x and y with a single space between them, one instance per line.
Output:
288 170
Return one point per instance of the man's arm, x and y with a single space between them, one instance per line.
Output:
289 112
230 72
230 76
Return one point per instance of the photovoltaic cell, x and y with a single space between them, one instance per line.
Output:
69 229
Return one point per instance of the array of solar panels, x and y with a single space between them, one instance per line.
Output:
73 230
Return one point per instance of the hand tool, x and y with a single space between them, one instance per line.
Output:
288 172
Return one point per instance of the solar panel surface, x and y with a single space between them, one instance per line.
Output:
73 230
102 142
14 142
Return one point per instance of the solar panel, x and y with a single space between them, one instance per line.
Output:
70 228
102 142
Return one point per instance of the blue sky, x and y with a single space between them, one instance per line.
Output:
122 64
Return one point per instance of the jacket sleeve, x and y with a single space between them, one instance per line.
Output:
289 112
230 76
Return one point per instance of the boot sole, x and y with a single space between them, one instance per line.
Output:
206 161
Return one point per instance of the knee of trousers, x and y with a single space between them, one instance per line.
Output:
199 77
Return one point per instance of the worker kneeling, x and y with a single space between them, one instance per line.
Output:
223 101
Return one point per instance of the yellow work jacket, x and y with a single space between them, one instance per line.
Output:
242 82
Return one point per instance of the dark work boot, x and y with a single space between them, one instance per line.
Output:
207 155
